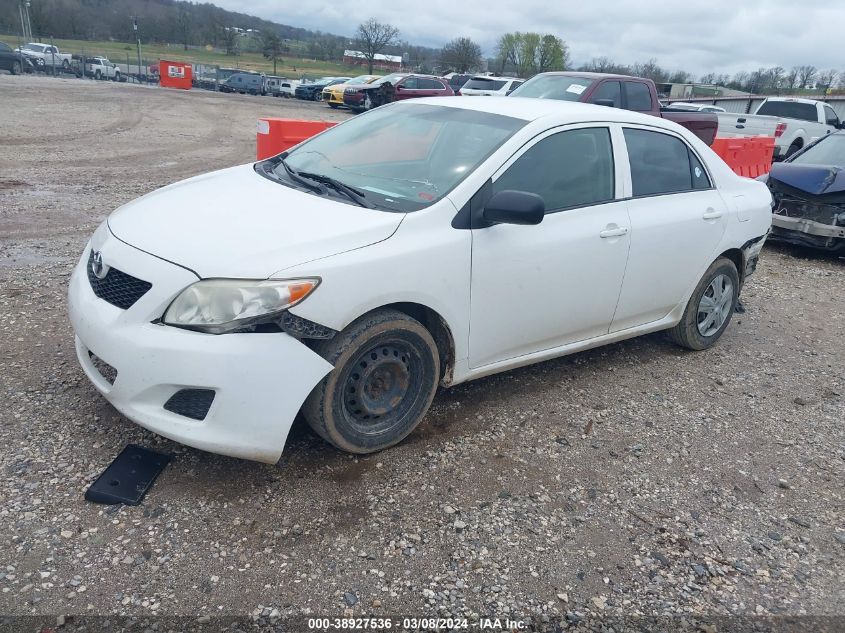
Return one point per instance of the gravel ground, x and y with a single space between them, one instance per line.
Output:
634 480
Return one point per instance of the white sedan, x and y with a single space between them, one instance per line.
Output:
425 243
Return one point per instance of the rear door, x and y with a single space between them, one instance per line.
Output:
408 88
678 220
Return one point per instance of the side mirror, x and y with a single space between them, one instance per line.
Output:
514 207
610 103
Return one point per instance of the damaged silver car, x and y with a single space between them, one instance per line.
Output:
808 192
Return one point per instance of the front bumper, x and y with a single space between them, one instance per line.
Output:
333 98
810 227
259 380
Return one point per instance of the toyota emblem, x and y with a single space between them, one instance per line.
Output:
99 269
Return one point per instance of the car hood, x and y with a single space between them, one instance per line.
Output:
236 223
817 180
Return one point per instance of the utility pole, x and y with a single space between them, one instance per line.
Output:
26 25
138 41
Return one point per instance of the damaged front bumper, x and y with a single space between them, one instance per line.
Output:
809 224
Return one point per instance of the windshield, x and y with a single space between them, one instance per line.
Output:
484 84
405 156
361 79
554 87
830 150
790 110
392 78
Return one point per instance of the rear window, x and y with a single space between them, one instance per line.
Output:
789 110
639 96
484 84
662 164
554 87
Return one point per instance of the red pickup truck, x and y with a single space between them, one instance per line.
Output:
618 91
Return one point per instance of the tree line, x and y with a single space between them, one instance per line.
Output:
518 53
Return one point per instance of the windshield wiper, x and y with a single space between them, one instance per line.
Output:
297 178
353 194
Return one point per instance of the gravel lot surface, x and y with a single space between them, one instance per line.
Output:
634 480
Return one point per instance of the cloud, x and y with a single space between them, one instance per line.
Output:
722 36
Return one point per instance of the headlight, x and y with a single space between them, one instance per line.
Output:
222 305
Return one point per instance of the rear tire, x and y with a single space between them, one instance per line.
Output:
16 67
386 371
710 308
117 77
98 75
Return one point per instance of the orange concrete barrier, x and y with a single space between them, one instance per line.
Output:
277 135
749 156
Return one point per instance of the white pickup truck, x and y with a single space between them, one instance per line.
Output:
794 122
101 68
45 56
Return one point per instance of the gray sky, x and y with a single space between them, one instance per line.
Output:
698 36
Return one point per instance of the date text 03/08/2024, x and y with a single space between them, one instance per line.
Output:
415 624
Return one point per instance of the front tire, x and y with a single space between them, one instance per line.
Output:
98 75
16 67
386 371
368 102
710 308
117 77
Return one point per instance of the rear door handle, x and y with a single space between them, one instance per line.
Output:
712 214
614 231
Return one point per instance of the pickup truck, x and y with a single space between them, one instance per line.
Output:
795 123
45 56
101 68
618 91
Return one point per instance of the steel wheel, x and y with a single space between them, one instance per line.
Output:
715 305
386 370
376 392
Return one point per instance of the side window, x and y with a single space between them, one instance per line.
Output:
830 116
411 83
639 96
700 179
568 169
611 90
660 163
4 48
424 83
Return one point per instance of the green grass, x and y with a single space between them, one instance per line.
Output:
119 51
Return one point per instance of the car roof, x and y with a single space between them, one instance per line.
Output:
796 99
531 109
589 75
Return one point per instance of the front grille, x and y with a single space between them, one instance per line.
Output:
118 288
108 372
192 403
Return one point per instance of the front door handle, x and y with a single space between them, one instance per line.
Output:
613 230
712 214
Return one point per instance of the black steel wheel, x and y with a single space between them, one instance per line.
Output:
387 368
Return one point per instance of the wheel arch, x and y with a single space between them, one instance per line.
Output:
736 256
437 326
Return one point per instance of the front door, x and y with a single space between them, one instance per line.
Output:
539 287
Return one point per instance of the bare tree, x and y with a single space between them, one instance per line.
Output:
461 55
183 26
506 50
806 75
372 37
272 48
826 78
790 80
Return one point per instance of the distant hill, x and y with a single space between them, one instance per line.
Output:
184 23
